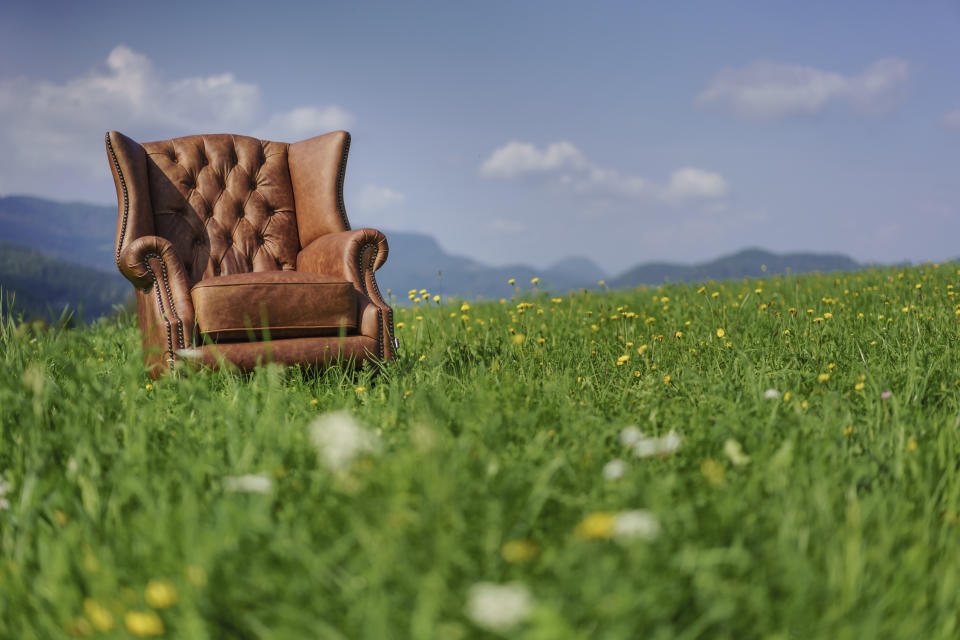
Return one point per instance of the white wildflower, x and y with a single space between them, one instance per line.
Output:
670 442
646 447
630 436
498 607
339 439
614 469
638 524
734 451
249 483
771 394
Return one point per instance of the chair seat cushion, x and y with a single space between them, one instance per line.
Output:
278 304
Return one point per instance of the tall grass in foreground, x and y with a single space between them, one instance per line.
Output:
792 472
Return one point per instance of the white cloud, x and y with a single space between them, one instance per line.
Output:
691 183
951 120
569 167
517 158
304 122
374 197
769 91
50 129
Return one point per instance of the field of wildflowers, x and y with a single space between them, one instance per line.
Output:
770 458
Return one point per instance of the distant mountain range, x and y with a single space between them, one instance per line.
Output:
56 237
38 286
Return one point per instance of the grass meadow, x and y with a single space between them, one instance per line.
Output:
770 458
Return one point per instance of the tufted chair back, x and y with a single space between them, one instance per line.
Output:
225 202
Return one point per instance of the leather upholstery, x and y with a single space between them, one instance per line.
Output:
225 202
312 352
273 304
196 209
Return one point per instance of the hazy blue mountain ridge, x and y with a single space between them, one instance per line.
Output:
71 234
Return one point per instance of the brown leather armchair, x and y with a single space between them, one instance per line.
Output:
240 251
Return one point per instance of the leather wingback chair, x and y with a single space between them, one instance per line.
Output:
240 250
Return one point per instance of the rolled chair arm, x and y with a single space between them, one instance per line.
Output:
151 264
354 256
341 254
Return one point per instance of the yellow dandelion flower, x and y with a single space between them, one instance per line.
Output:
721 332
831 366
534 280
641 349
518 338
556 300
713 471
859 386
99 617
436 299
148 387
818 319
465 307
360 389
636 374
787 396
601 283
823 377
666 380
715 294
144 624
523 550
848 430
701 289
912 445
597 525
314 402
160 594
678 334
828 315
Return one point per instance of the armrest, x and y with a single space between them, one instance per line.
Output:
342 254
354 256
166 310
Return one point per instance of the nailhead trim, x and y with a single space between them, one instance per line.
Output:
156 286
126 201
340 177
166 285
376 291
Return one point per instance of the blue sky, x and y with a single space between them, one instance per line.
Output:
530 131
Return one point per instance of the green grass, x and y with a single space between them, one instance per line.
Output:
843 524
